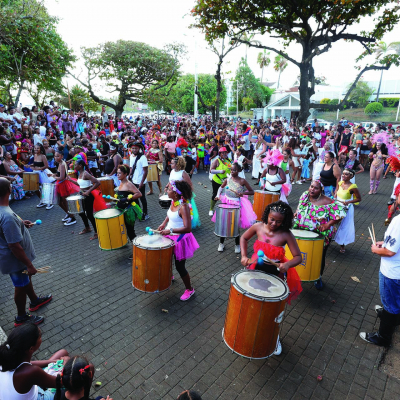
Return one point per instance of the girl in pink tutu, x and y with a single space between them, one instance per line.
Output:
236 191
177 226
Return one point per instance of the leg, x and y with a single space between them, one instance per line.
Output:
58 354
159 183
151 188
89 200
372 175
378 178
85 222
180 267
318 284
130 230
215 187
20 300
143 199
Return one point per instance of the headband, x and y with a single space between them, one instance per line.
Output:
174 188
278 208
349 170
318 181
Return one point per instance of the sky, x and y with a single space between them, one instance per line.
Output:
158 22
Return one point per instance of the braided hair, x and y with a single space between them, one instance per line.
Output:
282 208
189 395
76 375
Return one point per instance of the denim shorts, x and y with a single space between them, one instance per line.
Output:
45 394
389 289
19 279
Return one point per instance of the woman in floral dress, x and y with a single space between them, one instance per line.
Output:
318 213
14 171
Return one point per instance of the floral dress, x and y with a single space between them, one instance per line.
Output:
18 184
309 216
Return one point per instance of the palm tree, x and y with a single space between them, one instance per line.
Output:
248 38
383 50
263 60
280 64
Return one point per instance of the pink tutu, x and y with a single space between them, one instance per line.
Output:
247 216
186 247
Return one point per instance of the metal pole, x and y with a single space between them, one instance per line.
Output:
196 113
237 99
398 109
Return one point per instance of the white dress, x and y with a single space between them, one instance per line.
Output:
257 162
346 232
297 160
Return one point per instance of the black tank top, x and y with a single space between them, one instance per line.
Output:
327 178
38 164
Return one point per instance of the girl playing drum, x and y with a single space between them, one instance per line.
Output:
177 227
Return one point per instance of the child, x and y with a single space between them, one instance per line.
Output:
77 378
307 160
206 157
273 234
21 378
200 154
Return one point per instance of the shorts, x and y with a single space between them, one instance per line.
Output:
365 152
389 289
45 394
19 279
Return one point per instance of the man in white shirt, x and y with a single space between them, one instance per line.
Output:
138 175
4 117
43 130
16 117
389 286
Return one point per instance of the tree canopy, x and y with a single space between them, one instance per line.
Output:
181 97
313 25
127 69
31 50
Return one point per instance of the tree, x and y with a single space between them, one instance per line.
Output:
248 103
221 54
31 51
263 61
128 69
381 50
280 65
249 39
361 94
43 92
313 25
78 96
248 86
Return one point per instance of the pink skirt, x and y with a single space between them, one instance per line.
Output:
247 216
186 247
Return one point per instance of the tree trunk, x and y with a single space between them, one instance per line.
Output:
20 88
379 87
306 77
262 73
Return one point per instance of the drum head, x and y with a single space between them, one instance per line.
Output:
260 285
152 242
164 197
75 197
107 213
105 178
265 192
303 234
231 206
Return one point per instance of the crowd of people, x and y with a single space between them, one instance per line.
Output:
77 153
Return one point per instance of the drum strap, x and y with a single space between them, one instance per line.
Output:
135 163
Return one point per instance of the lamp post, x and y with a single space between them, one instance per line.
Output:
196 112
237 98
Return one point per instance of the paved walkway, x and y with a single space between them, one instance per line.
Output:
142 353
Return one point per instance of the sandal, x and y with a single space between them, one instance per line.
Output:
86 230
94 237
149 193
342 251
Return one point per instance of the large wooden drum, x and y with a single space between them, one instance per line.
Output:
311 246
255 310
106 186
31 181
262 199
152 174
111 229
152 263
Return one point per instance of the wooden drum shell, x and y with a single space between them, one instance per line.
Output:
111 229
30 181
107 187
262 199
152 174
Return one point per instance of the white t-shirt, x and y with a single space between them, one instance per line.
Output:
37 139
43 132
246 143
18 116
390 266
138 173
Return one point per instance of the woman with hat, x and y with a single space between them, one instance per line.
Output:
220 169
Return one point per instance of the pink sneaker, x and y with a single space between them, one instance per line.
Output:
187 295
172 278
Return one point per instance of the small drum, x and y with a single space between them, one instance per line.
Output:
152 263
76 204
72 174
49 194
311 246
152 174
107 186
262 199
111 229
31 181
255 310
227 220
165 201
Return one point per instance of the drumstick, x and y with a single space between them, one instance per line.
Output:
110 198
151 231
41 270
373 231
370 233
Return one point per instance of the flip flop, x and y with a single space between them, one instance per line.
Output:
149 193
94 237
85 231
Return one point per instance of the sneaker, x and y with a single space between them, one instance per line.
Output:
130 257
172 278
221 247
65 218
237 248
49 206
278 349
33 319
299 182
391 202
378 310
187 294
319 284
41 301
146 217
69 222
211 213
374 338
40 205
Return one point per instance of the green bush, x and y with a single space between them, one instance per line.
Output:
389 102
232 109
373 108
325 101
334 102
